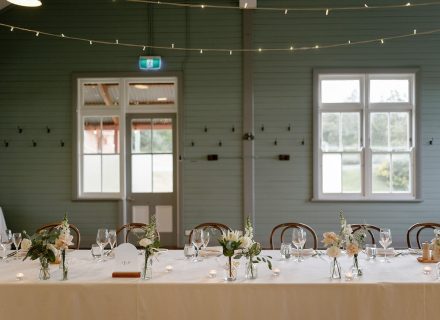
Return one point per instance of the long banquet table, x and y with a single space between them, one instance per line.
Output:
398 290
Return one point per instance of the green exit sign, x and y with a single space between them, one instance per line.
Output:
150 62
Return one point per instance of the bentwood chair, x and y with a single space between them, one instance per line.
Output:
73 230
132 229
219 228
369 228
420 227
283 227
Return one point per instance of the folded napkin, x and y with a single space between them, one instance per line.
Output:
211 251
389 251
415 251
305 252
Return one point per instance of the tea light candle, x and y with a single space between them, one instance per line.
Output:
427 270
212 273
19 276
276 271
348 276
169 268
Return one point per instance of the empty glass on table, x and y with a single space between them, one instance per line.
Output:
286 250
111 240
102 239
299 239
5 241
385 241
16 239
197 239
188 251
370 251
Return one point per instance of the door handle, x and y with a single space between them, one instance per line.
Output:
130 199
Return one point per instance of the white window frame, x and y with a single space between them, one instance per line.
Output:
120 111
365 108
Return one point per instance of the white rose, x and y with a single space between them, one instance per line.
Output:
246 242
333 252
26 244
145 242
52 248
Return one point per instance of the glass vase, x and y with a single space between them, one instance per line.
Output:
231 269
64 268
44 269
355 269
335 269
147 267
251 271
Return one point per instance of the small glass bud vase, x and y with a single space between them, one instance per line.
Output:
356 270
231 269
147 268
64 268
44 269
335 269
251 270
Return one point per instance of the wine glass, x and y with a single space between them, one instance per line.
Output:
188 251
385 241
112 239
102 239
197 239
16 238
299 239
206 236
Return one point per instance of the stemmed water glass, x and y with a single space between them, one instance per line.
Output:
102 238
16 238
5 241
206 237
299 239
385 241
197 239
112 240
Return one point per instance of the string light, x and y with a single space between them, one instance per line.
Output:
224 50
300 9
326 12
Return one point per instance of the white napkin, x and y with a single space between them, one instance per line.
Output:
305 252
389 251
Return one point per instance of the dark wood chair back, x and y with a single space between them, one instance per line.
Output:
420 227
131 228
73 229
369 228
220 227
291 225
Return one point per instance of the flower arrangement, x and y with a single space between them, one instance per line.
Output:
353 241
230 242
150 243
251 250
62 243
435 245
333 243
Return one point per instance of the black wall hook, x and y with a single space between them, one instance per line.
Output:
303 142
205 129
34 143
62 143
6 143
48 129
220 143
275 143
192 143
233 129
262 127
431 141
19 129
289 128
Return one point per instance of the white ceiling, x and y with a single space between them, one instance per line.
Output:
3 3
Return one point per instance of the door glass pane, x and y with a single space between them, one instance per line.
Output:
381 173
379 131
401 171
110 135
164 215
151 93
141 136
92 173
350 131
101 94
389 90
162 136
141 173
141 214
110 173
163 173
92 134
351 173
340 91
331 173
399 130
330 131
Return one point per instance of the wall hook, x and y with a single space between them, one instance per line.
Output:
262 127
19 129
220 143
303 142
34 143
205 129
62 143
233 129
289 128
48 129
248 136
431 141
192 143
275 143
6 143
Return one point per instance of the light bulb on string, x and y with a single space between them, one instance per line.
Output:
12 29
230 52
291 48
327 12
382 41
202 6
172 45
143 48
349 41
408 4
316 46
117 41
285 11
90 42
62 35
259 49
201 51
37 34
366 5
245 5
415 31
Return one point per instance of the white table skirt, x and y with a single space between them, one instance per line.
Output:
398 290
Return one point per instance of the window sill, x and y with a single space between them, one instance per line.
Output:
369 200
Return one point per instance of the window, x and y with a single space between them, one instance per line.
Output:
364 136
101 108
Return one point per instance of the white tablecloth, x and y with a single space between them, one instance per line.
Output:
398 290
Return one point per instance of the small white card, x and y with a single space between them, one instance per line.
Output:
126 258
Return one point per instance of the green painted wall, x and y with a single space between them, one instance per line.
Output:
36 89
